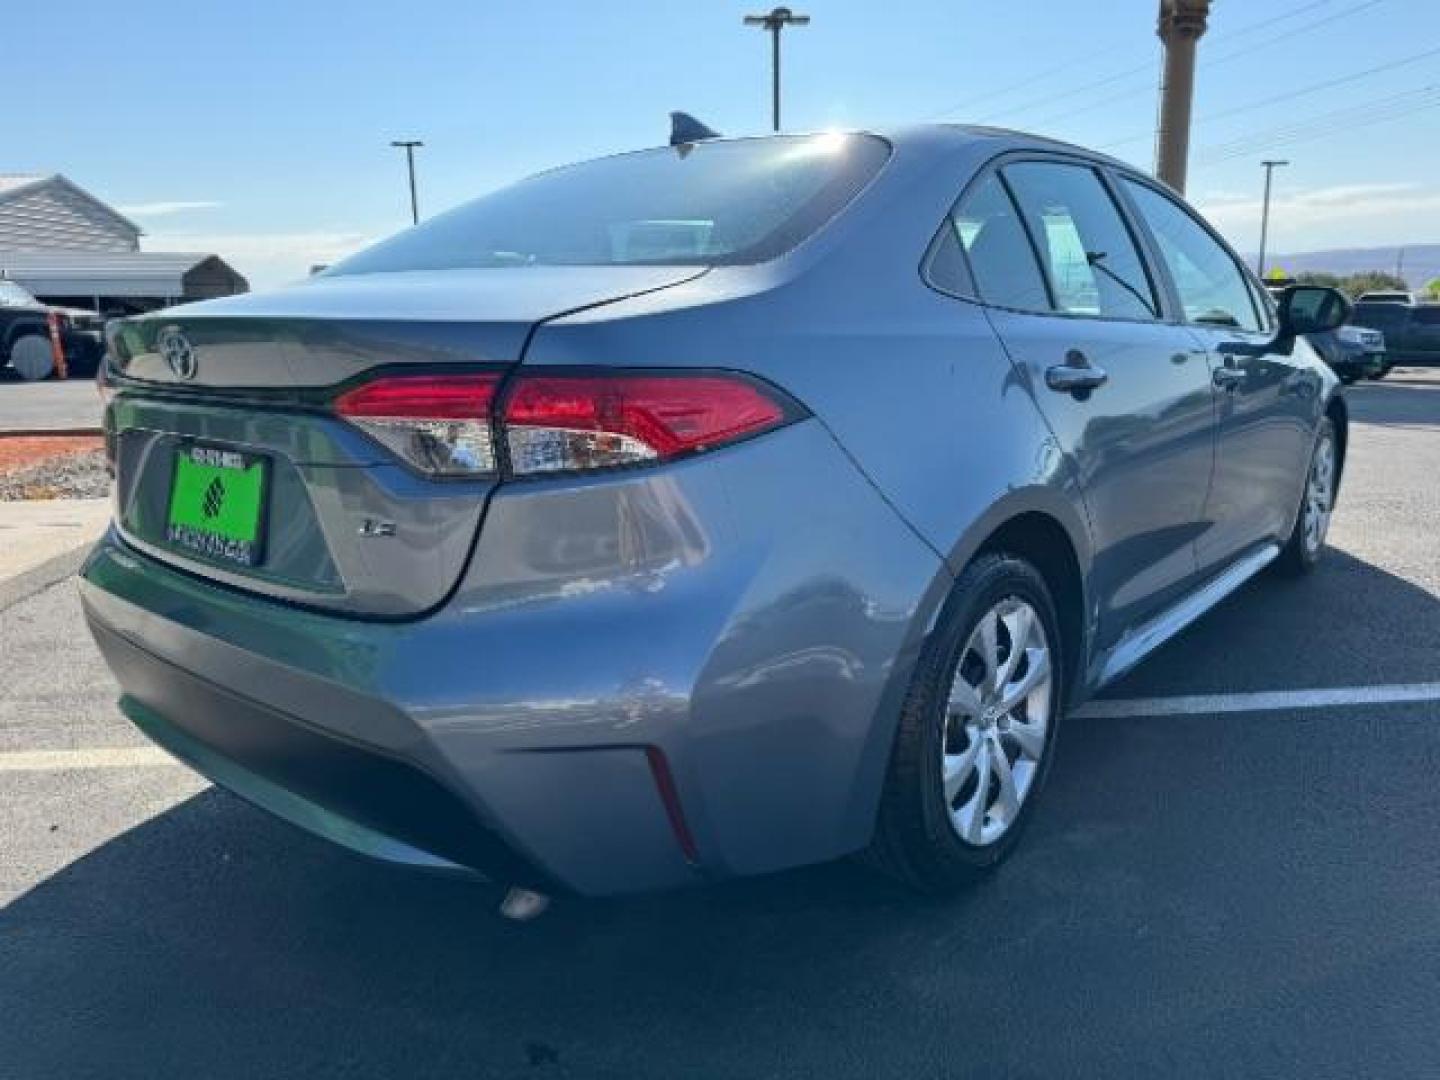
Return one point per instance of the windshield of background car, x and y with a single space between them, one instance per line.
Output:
707 203
12 295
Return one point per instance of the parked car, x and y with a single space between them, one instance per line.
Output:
705 510
25 333
1412 331
1388 297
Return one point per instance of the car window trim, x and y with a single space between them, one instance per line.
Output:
1171 314
1157 315
1244 271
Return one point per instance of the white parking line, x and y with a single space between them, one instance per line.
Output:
1260 701
131 757
99 757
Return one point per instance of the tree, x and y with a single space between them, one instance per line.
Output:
1373 281
1432 290
1319 277
1352 285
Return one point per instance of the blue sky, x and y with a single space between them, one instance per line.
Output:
260 130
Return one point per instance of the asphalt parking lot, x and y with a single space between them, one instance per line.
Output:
1224 885
52 405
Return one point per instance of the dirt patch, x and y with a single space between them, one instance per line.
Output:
22 451
53 467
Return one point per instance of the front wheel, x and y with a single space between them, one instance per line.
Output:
1312 523
977 731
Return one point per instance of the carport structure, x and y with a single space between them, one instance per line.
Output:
128 280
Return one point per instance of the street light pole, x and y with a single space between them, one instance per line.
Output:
1270 167
774 22
409 146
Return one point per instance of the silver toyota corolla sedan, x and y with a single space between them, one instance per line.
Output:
705 510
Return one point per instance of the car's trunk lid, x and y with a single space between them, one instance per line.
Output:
342 524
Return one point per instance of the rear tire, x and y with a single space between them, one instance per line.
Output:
1312 522
937 829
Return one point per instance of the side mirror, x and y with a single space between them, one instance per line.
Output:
1311 309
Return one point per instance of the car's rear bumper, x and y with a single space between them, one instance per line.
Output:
643 681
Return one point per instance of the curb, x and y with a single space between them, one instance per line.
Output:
39 578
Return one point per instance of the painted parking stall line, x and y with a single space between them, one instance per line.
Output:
1258 701
134 757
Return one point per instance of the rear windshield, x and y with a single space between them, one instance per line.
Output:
709 203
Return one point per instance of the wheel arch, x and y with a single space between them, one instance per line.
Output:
1044 526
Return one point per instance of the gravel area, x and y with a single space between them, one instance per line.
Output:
65 476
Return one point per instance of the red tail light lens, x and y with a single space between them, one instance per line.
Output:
442 424
438 423
562 423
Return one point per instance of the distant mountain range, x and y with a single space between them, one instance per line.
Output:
1419 263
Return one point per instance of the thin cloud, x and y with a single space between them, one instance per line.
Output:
1340 215
266 258
165 209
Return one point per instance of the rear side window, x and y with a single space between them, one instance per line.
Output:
725 202
1211 286
997 249
1094 266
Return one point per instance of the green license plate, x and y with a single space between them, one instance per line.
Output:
217 504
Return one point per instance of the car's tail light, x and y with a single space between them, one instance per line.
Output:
438 423
562 423
443 424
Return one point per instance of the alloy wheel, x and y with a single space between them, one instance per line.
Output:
1319 495
996 722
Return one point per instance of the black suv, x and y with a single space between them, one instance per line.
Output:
25 329
1412 331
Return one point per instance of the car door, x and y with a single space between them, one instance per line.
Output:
1267 403
1423 340
1126 394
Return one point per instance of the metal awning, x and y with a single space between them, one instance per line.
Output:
137 275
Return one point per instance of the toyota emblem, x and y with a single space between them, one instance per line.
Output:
179 354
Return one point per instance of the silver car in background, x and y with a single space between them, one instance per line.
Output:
706 510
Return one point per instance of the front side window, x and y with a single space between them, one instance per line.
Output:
1001 259
1212 289
1094 266
711 203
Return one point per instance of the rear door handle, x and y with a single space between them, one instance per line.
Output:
1076 376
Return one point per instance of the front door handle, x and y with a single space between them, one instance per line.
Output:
1227 377
1076 375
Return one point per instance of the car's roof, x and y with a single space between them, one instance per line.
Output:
934 135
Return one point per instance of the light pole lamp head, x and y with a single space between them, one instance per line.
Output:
777 18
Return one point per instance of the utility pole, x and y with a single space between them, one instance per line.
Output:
409 146
1270 167
1181 26
777 20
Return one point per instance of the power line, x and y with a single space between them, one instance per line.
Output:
1209 62
1378 110
1069 65
1378 69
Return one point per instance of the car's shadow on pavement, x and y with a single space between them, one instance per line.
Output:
1349 623
1187 902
